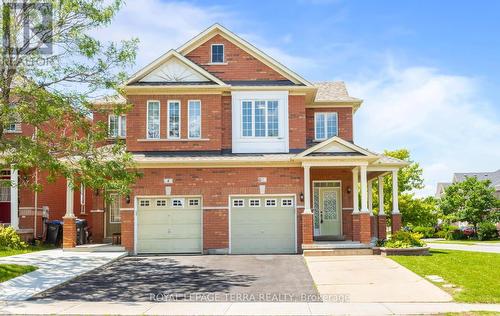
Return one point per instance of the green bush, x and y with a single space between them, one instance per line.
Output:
10 239
487 231
441 234
456 234
402 239
427 232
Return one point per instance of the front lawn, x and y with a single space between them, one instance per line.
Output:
475 274
9 271
12 252
465 242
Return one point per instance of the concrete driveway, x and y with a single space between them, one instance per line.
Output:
266 278
371 279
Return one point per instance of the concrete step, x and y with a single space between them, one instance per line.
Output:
97 248
337 252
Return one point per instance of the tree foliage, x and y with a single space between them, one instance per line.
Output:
48 93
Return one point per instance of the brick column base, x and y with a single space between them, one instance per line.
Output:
307 229
69 232
382 227
396 223
365 228
127 229
97 228
355 226
215 232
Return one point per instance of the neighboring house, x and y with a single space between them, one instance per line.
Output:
493 177
239 155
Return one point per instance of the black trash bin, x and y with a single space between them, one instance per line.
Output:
54 232
81 231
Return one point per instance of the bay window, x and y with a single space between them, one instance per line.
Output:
260 118
194 118
174 119
153 120
117 126
325 125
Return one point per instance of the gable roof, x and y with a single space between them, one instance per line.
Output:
246 46
336 146
335 91
165 58
494 176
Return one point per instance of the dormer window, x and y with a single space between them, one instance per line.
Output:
217 53
325 125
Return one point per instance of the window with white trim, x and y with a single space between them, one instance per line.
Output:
238 203
260 118
82 198
254 203
161 202
194 119
177 202
153 120
271 203
194 202
114 208
325 125
144 202
117 126
174 119
13 125
4 191
217 53
286 202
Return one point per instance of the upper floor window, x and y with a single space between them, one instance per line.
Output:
260 118
14 125
153 120
217 53
174 119
325 125
117 126
194 114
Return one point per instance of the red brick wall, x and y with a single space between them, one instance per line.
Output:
344 122
211 123
297 121
215 229
240 65
127 229
227 119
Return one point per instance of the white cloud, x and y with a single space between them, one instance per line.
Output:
444 120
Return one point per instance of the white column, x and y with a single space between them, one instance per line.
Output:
355 200
370 197
395 202
364 191
381 196
307 190
69 200
14 193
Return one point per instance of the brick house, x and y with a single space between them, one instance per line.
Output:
240 155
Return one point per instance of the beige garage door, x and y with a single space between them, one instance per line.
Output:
263 224
169 225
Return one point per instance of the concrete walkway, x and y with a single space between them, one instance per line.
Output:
180 308
368 279
54 267
491 248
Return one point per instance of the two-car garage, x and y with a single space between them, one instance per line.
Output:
256 224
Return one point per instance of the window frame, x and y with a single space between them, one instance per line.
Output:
83 197
112 218
5 185
275 203
238 200
194 200
163 202
168 119
250 202
212 54
325 125
119 130
189 119
181 200
159 119
287 199
144 203
266 118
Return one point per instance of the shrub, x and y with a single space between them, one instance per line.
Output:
456 234
441 234
487 231
427 232
10 239
402 239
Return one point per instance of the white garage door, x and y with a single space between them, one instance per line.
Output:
169 225
263 224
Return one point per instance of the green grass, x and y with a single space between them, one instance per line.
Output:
466 242
9 271
475 273
478 313
12 252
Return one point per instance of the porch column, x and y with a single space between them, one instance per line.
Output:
69 219
365 226
364 191
307 190
355 203
370 197
396 215
307 215
381 220
14 199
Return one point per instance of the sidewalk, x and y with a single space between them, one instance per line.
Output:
490 248
54 267
180 308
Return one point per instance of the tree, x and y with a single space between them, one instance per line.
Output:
470 200
46 79
418 211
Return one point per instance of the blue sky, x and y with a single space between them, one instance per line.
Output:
427 70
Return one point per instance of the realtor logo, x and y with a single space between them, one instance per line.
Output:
27 27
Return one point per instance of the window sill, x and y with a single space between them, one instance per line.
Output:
175 140
13 132
215 64
115 138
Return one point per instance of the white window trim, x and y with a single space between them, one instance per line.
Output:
275 203
196 200
178 206
147 119
325 125
82 198
144 203
252 102
168 119
164 203
250 202
117 196
286 199
119 123
189 118
223 54
238 200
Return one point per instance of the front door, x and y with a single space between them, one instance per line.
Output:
113 215
328 209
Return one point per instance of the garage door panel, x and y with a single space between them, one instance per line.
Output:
159 245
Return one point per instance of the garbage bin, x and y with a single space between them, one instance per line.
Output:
81 231
54 232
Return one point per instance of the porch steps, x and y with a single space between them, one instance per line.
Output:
337 248
97 248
